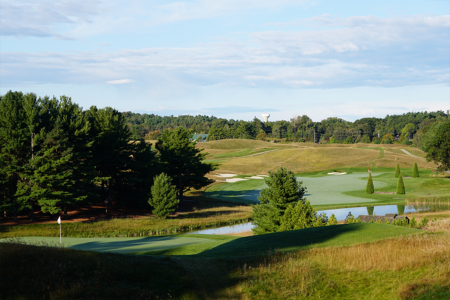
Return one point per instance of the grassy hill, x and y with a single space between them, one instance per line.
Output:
356 261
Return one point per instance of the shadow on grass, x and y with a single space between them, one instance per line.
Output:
284 241
245 197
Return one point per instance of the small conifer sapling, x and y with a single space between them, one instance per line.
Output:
369 187
400 185
164 196
415 171
397 171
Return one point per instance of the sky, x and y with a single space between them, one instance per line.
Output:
233 59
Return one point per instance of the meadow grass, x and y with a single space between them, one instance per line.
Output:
238 144
243 152
400 268
300 160
213 214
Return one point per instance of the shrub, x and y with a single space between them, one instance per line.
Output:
413 222
423 222
397 171
400 186
386 221
379 221
369 187
164 196
349 140
415 171
299 216
332 220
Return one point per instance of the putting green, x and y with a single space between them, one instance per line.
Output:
320 190
117 245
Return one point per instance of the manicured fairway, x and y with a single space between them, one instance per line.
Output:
119 245
320 190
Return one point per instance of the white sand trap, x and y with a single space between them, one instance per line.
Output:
235 179
262 175
226 175
336 173
254 177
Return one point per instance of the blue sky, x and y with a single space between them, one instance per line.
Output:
232 58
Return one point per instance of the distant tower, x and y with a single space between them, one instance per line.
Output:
265 117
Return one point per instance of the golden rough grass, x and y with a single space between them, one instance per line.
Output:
439 225
300 160
389 255
234 144
303 274
392 157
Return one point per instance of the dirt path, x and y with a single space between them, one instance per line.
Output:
406 152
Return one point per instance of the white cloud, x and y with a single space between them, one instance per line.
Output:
120 81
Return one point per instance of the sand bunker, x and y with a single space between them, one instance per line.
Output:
337 173
235 179
254 177
226 175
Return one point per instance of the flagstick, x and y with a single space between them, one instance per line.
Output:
60 233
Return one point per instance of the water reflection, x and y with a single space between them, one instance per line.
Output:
340 214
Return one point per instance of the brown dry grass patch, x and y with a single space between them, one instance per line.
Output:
300 160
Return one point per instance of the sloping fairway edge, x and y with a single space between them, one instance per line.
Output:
338 235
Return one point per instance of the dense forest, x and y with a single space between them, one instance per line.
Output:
54 155
407 128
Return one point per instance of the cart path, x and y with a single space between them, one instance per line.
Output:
406 152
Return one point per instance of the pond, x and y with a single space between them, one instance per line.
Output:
340 214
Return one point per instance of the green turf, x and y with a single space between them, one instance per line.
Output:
321 190
123 245
338 235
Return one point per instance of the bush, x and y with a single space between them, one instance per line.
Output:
413 222
370 188
386 221
397 171
415 171
164 196
400 186
332 220
423 222
299 216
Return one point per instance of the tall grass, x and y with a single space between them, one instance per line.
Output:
384 270
429 200
145 226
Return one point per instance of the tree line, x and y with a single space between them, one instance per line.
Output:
54 155
407 128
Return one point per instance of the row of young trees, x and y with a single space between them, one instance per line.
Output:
54 154
407 128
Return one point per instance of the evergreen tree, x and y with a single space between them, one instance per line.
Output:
53 182
182 161
332 220
400 185
415 171
283 189
370 210
299 216
369 187
112 150
397 171
14 150
164 197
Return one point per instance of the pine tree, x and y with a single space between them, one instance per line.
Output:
415 171
369 187
370 210
299 216
283 189
14 150
397 171
400 185
182 161
164 196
